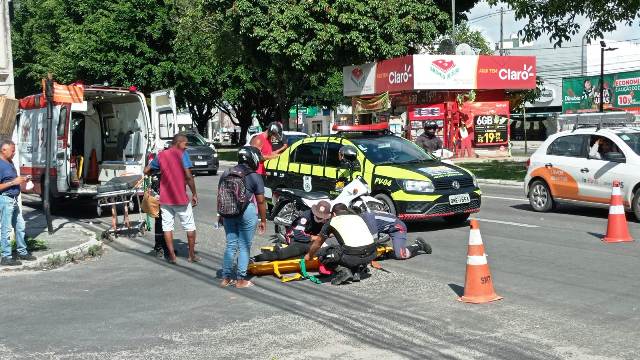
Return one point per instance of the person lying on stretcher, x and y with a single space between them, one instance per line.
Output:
302 232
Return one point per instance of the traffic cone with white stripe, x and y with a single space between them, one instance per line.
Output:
478 285
617 228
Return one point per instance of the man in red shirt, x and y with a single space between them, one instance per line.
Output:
263 141
173 194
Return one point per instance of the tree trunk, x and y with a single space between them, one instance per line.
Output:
200 115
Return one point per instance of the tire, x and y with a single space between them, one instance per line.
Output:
289 212
456 219
375 206
540 197
214 172
389 205
635 204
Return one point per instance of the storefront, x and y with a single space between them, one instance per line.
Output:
449 89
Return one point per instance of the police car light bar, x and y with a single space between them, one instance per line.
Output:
361 128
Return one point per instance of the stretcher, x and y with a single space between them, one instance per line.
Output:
121 191
280 267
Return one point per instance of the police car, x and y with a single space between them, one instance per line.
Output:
412 184
580 165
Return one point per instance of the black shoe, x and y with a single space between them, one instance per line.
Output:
159 253
423 245
27 257
356 276
342 276
10 262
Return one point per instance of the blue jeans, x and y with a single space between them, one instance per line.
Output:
239 232
11 217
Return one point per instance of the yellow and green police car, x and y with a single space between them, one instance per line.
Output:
412 184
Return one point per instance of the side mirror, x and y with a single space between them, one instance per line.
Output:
615 157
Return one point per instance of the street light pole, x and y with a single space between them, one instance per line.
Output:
602 46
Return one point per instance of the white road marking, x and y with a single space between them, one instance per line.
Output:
504 198
508 223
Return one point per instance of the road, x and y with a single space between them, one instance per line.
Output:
566 295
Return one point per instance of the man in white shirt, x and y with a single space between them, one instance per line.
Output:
599 148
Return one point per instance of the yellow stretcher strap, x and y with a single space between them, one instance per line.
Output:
81 163
276 272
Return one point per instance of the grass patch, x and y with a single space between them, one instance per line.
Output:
500 170
32 244
228 155
95 251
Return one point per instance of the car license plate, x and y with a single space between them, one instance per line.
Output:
200 163
459 199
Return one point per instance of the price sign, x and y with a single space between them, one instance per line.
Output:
490 129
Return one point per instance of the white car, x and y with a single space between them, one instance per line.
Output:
289 136
580 166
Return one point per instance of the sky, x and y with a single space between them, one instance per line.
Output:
490 26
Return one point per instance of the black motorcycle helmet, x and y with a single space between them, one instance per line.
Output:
430 128
274 129
250 156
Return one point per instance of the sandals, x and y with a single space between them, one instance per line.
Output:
194 259
227 282
248 284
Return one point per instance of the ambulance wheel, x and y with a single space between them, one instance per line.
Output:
635 204
456 219
388 203
540 196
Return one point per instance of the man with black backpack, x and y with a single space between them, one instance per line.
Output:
240 189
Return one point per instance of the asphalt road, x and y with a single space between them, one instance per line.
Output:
566 294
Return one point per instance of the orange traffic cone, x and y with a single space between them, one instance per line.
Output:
478 285
617 228
92 174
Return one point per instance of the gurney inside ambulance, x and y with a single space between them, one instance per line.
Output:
107 141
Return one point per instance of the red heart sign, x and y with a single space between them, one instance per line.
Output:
444 65
356 73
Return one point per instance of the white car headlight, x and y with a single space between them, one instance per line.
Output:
475 181
215 154
419 186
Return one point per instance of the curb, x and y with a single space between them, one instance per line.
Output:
42 261
501 182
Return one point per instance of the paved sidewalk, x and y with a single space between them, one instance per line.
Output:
69 238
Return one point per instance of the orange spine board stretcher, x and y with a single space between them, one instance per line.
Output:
293 265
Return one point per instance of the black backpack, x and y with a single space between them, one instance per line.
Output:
232 192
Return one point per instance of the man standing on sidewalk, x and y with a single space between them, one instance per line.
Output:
10 214
175 176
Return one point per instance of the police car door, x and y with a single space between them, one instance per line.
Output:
305 166
603 172
332 168
565 166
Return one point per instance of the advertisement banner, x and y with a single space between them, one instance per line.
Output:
490 122
394 75
621 92
426 112
359 80
506 72
445 71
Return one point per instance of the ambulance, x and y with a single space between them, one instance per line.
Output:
107 133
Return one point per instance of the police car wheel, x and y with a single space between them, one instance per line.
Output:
388 203
540 197
635 205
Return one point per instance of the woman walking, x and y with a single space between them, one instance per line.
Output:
240 189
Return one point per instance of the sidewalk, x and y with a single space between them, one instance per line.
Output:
68 241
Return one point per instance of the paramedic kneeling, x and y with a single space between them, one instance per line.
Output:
302 232
354 247
385 223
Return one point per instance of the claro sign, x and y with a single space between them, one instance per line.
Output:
446 72
394 74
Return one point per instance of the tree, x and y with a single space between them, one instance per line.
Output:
122 42
557 18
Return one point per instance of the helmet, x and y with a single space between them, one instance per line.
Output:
275 129
250 156
348 153
430 125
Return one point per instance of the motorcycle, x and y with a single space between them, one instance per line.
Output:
290 203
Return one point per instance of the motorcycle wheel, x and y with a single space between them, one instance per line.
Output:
287 213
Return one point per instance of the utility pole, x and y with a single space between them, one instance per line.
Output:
47 168
453 18
524 118
501 31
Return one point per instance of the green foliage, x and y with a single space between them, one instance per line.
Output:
501 170
95 250
32 244
557 18
55 261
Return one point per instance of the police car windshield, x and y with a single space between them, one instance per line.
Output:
632 139
391 149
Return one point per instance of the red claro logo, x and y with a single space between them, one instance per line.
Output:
509 74
444 68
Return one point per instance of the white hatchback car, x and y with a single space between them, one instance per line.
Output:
580 166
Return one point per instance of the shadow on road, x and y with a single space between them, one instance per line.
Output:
565 209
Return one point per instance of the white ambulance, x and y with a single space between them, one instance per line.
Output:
109 134
580 163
